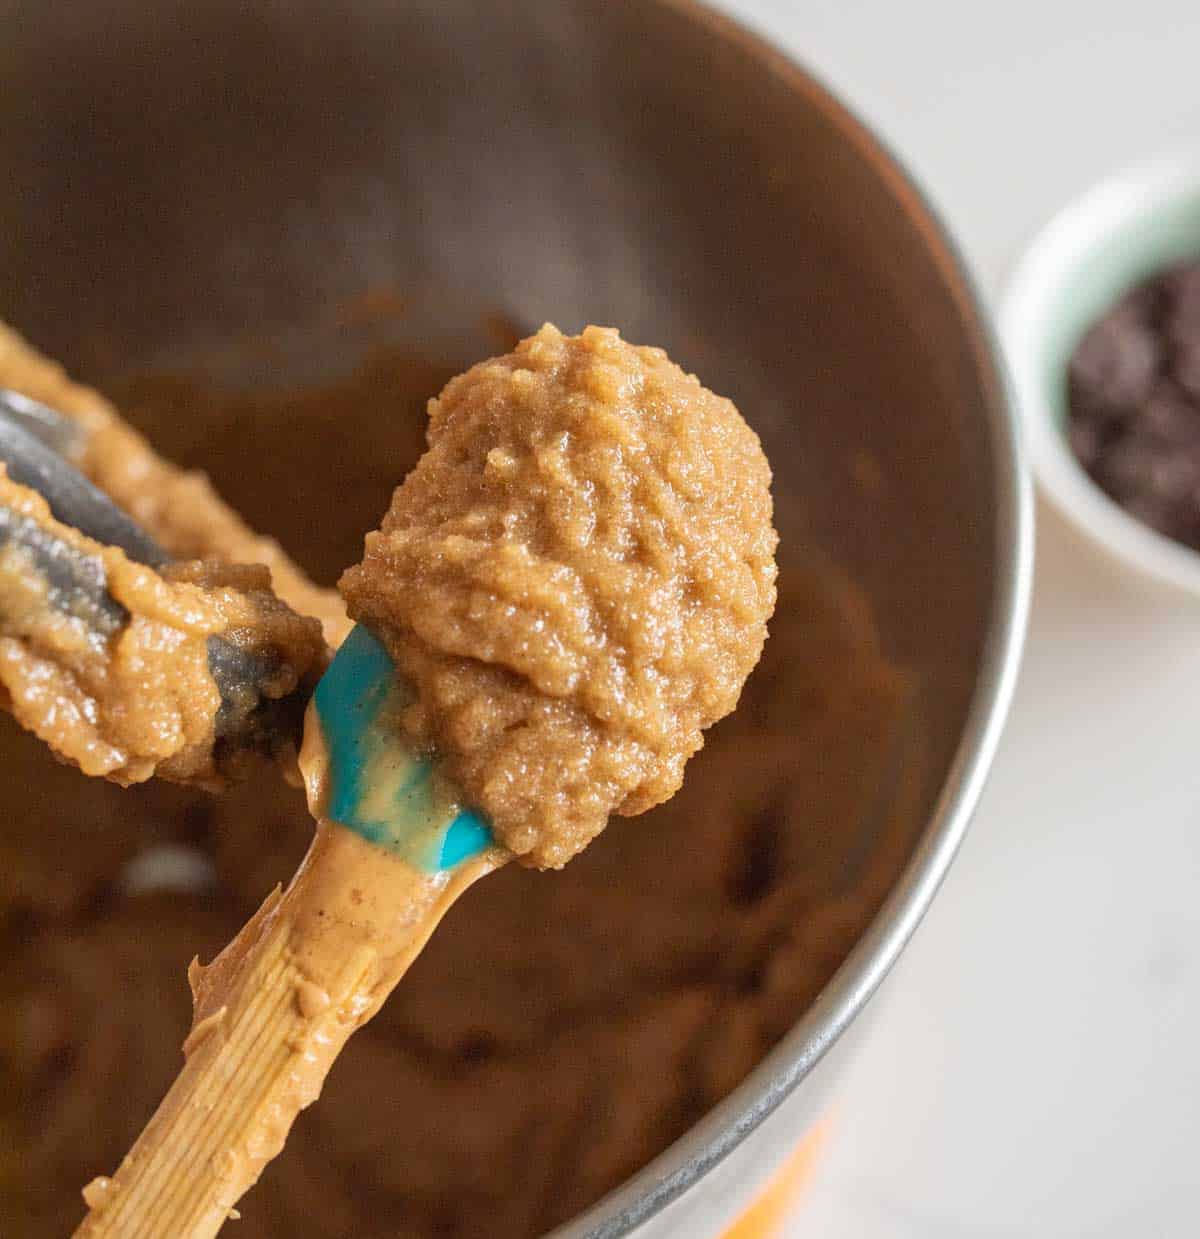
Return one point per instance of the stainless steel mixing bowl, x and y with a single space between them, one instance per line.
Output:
175 171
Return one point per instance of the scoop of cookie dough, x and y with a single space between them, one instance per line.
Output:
575 579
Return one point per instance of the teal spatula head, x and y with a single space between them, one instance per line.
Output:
378 786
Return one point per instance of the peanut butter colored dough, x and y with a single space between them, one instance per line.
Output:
596 526
180 509
139 701
576 578
517 1075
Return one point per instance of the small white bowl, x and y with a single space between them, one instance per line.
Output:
1119 233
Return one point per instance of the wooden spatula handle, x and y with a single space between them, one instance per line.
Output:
272 1012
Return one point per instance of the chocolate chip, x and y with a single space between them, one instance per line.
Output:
1142 464
1134 402
1152 511
1171 415
1180 290
1185 365
1145 302
1086 440
1115 365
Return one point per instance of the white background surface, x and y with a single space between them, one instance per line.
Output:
1035 1066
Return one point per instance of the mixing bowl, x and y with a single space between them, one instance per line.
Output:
178 172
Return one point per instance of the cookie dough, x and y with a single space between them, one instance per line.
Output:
118 679
179 508
576 578
517 1075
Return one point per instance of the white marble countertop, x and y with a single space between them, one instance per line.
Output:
1035 1067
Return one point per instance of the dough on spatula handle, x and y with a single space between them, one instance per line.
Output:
272 1012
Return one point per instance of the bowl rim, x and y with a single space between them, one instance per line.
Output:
1092 221
779 1073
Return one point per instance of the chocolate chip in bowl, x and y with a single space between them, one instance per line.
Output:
1134 403
1101 322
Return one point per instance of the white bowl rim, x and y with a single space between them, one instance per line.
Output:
1051 262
